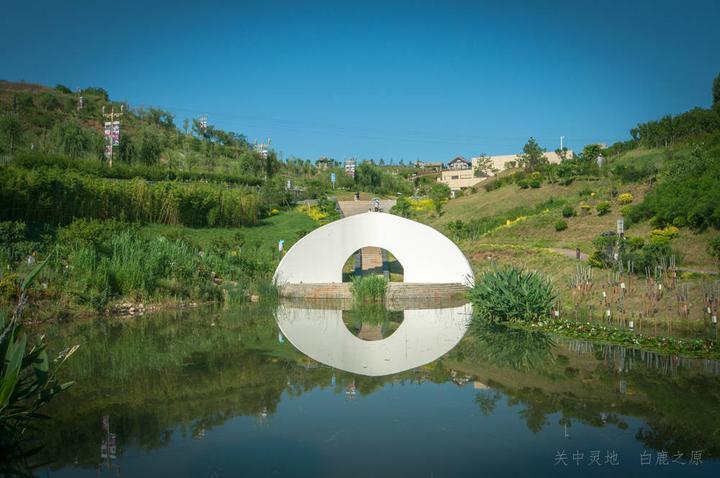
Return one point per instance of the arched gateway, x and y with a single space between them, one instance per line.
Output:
427 256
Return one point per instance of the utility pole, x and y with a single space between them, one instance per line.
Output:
112 131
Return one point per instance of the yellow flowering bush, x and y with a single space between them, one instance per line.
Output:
667 233
625 198
314 212
421 205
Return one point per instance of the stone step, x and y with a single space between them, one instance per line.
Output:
396 290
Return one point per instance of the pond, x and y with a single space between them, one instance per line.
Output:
303 390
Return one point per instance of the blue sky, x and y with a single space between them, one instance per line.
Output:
394 80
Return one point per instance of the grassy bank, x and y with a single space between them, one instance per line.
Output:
98 265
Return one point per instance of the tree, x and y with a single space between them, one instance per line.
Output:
10 133
126 149
71 139
439 194
590 154
402 207
532 157
150 147
716 91
485 166
562 153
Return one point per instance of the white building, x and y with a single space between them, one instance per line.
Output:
461 178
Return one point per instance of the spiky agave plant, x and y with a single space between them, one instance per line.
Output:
512 294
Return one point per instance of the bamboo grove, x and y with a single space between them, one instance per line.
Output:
58 196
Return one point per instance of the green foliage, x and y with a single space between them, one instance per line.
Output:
689 191
58 197
602 207
532 157
63 89
14 243
643 255
476 228
370 177
11 134
126 264
634 173
523 183
713 248
28 381
625 198
512 294
73 140
568 211
561 225
128 171
402 207
671 129
439 194
368 288
535 183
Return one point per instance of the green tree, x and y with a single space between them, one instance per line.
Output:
439 194
150 147
71 139
126 150
11 133
402 207
532 157
484 167
716 91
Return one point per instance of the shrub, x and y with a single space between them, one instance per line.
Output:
492 185
625 198
713 248
665 234
568 211
626 211
511 293
535 183
561 225
523 183
603 207
368 289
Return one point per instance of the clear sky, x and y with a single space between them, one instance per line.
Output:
394 80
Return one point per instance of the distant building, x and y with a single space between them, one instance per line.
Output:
459 163
324 163
459 177
350 167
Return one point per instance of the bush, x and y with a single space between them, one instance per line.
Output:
535 183
368 289
523 183
625 198
568 211
561 225
603 207
665 234
713 248
511 293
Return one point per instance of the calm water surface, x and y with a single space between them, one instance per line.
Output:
297 391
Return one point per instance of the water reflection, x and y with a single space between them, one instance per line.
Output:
423 336
184 397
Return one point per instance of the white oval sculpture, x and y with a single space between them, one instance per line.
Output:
427 256
424 336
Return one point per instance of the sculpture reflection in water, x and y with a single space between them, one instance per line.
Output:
423 336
